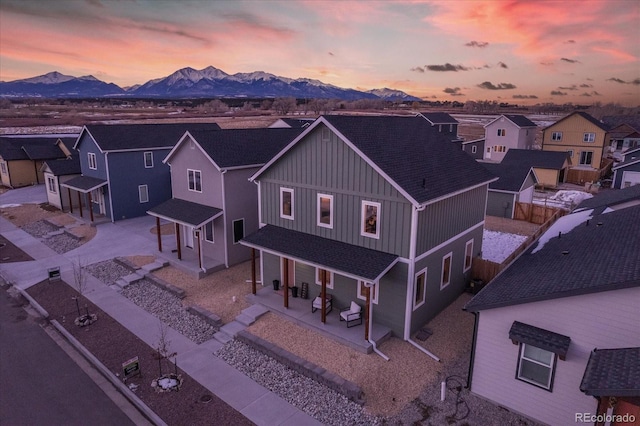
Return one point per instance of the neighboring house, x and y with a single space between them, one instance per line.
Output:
627 173
474 148
289 123
549 167
372 201
582 136
21 158
57 172
444 123
515 184
214 204
509 131
556 333
611 200
123 175
622 138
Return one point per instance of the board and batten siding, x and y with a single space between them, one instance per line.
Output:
449 217
331 167
496 204
603 320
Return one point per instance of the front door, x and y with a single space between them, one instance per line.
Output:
187 231
97 196
290 270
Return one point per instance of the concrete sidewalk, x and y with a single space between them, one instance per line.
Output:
130 237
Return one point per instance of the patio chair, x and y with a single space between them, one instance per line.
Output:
352 315
317 304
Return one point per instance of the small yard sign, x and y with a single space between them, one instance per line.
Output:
54 274
131 368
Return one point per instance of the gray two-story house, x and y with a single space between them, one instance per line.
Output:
508 131
383 203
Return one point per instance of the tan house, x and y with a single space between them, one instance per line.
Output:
582 136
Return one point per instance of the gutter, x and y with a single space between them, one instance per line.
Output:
476 320
370 340
423 350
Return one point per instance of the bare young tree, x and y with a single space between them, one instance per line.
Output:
163 348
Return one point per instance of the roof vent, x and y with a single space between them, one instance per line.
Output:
565 252
424 182
599 224
560 234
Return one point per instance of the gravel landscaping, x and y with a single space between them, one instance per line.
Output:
108 271
39 229
62 243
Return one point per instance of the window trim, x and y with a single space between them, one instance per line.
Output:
318 211
502 132
474 149
213 232
290 191
570 152
468 255
319 280
3 167
363 220
444 284
417 304
552 367
590 163
195 181
148 165
588 137
51 185
374 292
556 136
91 158
233 228
146 191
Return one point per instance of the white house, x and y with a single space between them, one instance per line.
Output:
506 132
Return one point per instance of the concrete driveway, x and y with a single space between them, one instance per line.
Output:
34 194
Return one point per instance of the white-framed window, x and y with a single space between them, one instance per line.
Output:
373 292
238 230
329 277
474 149
570 152
51 185
3 168
208 231
586 157
536 366
148 160
195 180
286 203
468 255
556 136
420 289
325 211
446 271
370 226
91 157
450 128
440 128
143 193
589 137
488 149
502 132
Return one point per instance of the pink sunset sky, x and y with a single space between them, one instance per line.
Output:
523 52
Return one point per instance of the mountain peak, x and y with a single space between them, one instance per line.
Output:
53 77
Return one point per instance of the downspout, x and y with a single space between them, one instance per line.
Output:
373 343
106 164
476 320
224 222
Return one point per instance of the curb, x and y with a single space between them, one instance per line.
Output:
43 313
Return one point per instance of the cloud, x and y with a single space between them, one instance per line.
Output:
524 97
570 41
635 82
501 86
571 61
558 93
453 91
417 69
617 80
586 86
502 65
546 64
331 54
479 44
572 87
586 94
446 67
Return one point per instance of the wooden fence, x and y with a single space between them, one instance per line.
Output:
486 270
580 177
534 213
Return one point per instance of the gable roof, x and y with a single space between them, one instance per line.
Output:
292 122
438 118
65 166
241 147
517 119
132 137
610 198
600 254
536 158
511 177
30 148
617 120
586 116
612 372
420 162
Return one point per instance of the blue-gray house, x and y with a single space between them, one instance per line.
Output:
123 175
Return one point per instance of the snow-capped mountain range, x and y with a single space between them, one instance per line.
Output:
191 83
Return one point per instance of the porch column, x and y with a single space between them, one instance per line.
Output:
178 241
253 271
323 295
70 200
90 207
285 281
197 232
80 202
158 232
367 307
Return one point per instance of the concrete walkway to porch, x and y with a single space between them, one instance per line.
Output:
299 312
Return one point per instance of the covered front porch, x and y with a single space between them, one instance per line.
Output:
93 190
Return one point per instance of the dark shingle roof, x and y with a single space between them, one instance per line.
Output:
422 161
540 338
115 137
185 212
439 118
84 184
520 120
511 177
298 122
601 256
612 372
610 198
536 158
587 117
11 149
616 120
243 147
67 166
357 261
30 148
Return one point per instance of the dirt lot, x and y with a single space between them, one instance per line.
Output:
29 213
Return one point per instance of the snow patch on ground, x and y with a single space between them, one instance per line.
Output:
6 206
564 199
497 246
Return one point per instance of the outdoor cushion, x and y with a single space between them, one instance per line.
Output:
355 308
